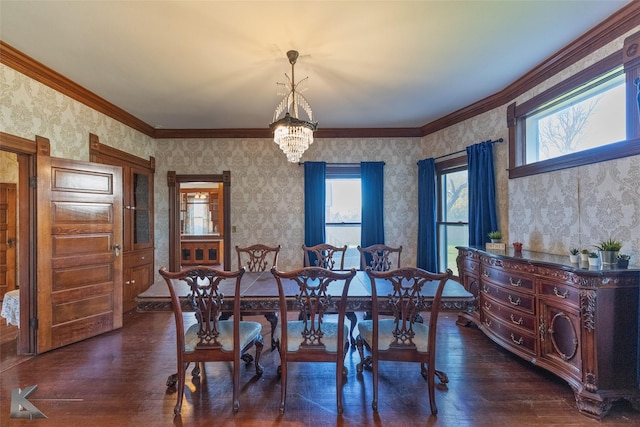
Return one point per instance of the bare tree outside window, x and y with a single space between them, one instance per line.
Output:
563 132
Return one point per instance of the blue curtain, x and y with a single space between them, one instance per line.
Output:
372 181
483 217
314 204
427 205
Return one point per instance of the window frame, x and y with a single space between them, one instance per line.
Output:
629 58
444 167
343 171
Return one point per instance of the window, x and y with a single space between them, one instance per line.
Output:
588 118
453 210
343 215
591 116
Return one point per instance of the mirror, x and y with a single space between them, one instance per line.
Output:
200 209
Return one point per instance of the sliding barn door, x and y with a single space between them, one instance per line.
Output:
79 265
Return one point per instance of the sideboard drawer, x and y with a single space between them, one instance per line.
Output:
510 316
509 298
512 336
507 279
560 291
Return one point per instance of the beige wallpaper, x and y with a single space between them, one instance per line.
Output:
548 212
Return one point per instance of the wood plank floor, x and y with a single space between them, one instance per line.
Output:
118 379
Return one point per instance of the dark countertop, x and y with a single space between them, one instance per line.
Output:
560 261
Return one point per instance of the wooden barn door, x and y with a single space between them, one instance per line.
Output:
78 251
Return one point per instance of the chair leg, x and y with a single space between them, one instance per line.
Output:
283 385
353 319
272 318
431 387
374 368
259 344
339 379
181 382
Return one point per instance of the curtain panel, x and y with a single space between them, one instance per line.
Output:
483 217
314 204
427 257
372 182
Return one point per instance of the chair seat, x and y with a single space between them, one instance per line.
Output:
295 339
249 331
385 334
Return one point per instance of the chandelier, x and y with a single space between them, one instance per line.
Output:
292 134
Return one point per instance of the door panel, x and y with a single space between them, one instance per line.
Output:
79 228
7 238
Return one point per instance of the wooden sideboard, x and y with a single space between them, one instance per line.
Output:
581 324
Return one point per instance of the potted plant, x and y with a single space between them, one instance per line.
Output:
623 261
574 255
593 259
584 255
495 236
608 250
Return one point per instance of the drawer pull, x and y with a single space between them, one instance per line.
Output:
518 342
516 302
487 323
133 282
127 282
487 306
517 284
516 322
559 295
485 289
485 273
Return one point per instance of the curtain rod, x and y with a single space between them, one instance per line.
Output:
462 151
338 164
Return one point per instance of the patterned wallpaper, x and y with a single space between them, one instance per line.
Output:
548 212
267 201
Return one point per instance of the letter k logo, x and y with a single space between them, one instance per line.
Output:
21 407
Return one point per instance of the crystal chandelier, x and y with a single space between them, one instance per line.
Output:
292 134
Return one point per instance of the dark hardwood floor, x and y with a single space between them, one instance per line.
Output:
118 379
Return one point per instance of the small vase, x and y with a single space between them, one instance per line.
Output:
608 257
593 262
622 263
574 259
584 257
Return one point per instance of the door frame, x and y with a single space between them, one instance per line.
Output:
173 182
28 152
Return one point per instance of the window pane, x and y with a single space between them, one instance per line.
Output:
339 235
344 201
455 205
344 217
592 116
451 235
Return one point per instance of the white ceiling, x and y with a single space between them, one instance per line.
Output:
215 64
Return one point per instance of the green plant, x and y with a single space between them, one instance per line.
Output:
624 257
495 235
609 245
585 251
593 255
574 251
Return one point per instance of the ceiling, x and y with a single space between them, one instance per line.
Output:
374 64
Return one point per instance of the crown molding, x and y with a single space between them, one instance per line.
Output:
624 20
28 66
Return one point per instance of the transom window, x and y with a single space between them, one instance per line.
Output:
590 117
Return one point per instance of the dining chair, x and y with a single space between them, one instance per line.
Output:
258 257
325 256
317 291
380 257
332 258
404 293
210 339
